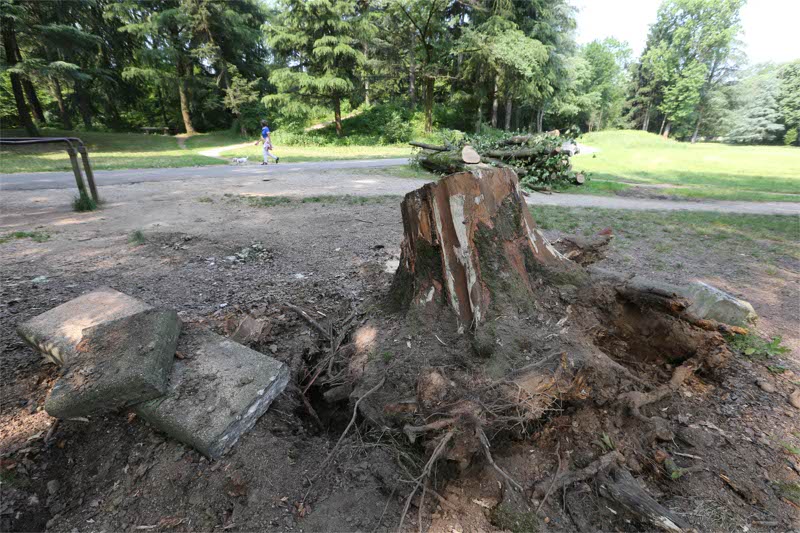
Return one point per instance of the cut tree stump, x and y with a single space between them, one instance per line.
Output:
463 228
470 156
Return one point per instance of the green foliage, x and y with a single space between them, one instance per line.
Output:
757 119
789 97
790 137
754 347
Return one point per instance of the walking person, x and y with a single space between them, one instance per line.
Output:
267 140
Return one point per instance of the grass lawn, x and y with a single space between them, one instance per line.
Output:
703 170
672 234
107 151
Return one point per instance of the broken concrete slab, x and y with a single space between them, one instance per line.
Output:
117 363
58 332
708 302
216 393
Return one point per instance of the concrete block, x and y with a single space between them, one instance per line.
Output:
709 302
58 332
216 393
117 364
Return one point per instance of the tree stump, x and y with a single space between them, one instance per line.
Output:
464 235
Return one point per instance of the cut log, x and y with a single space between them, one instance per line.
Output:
433 147
580 179
517 139
584 250
450 225
442 162
470 155
524 153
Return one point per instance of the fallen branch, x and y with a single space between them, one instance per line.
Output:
426 146
555 476
621 488
485 445
311 322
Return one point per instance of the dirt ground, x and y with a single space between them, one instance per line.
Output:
739 443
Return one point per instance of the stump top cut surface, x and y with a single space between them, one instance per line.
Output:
58 332
118 363
217 392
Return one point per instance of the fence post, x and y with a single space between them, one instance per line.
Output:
73 158
89 174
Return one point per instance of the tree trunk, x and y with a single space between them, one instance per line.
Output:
183 93
33 99
666 130
337 115
161 105
508 114
429 87
366 79
479 116
9 44
84 103
697 126
494 103
646 121
412 70
30 91
663 122
66 121
539 120
453 230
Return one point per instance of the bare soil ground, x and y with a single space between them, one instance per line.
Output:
738 443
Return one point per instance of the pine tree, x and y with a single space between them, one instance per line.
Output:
318 40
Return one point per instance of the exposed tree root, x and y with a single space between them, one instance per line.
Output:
621 488
566 479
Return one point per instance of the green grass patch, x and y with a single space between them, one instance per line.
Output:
768 238
35 236
82 203
702 170
266 201
107 151
790 491
137 238
205 200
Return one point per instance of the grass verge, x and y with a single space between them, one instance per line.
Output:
702 170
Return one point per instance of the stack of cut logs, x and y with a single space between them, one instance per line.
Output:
538 161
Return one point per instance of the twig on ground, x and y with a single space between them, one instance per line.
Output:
51 431
311 322
350 425
568 478
425 471
422 504
555 476
385 507
485 445
412 431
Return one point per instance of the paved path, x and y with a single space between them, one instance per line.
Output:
309 179
66 180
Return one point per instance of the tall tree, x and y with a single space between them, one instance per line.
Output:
10 16
318 40
789 98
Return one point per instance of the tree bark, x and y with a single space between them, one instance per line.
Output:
183 93
84 103
30 91
9 44
494 103
646 121
508 114
451 229
666 130
663 123
539 119
479 116
697 126
337 115
429 87
66 121
412 70
366 79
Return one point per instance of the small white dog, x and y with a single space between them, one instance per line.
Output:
239 160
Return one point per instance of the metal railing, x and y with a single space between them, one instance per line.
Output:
72 151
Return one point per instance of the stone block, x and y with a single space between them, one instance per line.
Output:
117 363
708 302
217 392
58 332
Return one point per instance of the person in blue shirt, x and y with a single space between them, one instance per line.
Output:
267 140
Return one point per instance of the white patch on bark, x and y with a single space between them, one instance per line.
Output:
463 252
478 199
448 274
535 235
